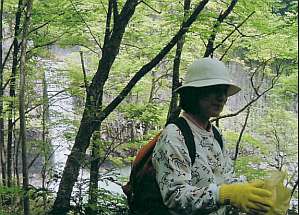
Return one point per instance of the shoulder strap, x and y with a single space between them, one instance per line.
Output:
217 136
188 136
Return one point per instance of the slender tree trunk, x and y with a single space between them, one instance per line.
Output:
93 114
12 94
237 146
2 147
152 89
174 109
95 158
45 122
26 25
92 208
17 149
211 40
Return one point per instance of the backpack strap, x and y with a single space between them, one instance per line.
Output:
188 136
217 136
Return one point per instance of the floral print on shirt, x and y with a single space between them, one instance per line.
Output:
186 188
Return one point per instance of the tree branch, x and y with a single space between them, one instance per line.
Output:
90 49
83 70
152 8
295 187
263 65
45 44
273 82
147 67
236 28
108 19
232 42
115 11
33 160
88 27
6 58
44 24
237 146
36 106
209 48
242 34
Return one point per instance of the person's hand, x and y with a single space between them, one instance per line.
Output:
250 197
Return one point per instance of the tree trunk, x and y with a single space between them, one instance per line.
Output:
174 109
12 94
152 89
2 154
95 158
22 106
45 122
211 40
92 208
93 114
237 145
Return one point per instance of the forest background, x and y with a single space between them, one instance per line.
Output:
84 84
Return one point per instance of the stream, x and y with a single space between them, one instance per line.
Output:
61 109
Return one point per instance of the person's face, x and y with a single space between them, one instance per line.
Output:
212 100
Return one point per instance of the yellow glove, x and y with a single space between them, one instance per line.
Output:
249 197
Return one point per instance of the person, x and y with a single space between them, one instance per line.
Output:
209 185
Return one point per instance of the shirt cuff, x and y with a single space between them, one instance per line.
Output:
215 191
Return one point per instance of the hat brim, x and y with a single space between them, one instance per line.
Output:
233 88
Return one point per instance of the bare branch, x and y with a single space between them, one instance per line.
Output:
295 187
83 70
161 77
6 83
278 157
237 146
236 28
92 50
36 106
44 24
103 6
232 42
88 27
273 82
115 11
209 48
131 45
6 58
242 34
33 160
263 65
45 44
107 25
152 8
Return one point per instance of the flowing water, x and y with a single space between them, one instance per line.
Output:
61 109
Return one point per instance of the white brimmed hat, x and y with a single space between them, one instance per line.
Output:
208 72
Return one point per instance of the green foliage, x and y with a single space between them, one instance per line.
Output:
248 142
271 32
109 203
286 90
148 113
243 167
10 199
282 136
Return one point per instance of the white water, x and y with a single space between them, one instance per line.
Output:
61 108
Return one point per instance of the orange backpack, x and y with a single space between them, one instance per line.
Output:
142 191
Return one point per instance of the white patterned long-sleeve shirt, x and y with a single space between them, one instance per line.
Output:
186 188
